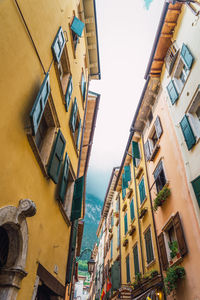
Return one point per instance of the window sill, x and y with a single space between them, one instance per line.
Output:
149 265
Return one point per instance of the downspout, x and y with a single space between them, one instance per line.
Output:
139 227
120 246
153 217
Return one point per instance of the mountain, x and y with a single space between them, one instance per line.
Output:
92 218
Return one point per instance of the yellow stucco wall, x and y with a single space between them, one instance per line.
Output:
145 222
22 74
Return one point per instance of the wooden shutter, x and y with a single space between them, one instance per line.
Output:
136 260
73 116
77 26
135 150
115 275
123 193
82 85
172 92
147 150
127 172
58 45
125 224
40 103
132 210
180 234
72 249
158 127
77 198
118 236
78 135
68 93
56 157
127 269
163 252
124 181
142 190
187 132
187 56
63 185
196 187
149 246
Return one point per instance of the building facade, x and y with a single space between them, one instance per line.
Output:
47 64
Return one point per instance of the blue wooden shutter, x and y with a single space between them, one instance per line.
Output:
73 116
135 150
142 190
187 132
68 93
124 181
77 26
58 45
115 275
79 134
40 103
125 224
149 246
127 269
77 198
172 92
158 127
127 172
187 56
196 187
147 150
136 260
56 157
132 210
63 185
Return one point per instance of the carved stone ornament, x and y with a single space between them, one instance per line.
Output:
13 221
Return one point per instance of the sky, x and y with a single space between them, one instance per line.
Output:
126 31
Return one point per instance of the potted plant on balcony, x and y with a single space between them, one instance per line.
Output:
132 230
173 276
161 197
125 242
143 211
110 229
138 281
153 273
173 246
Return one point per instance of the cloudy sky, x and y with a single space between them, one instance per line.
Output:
126 31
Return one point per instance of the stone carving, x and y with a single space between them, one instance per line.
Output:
26 208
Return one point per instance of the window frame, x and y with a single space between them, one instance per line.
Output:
155 178
152 254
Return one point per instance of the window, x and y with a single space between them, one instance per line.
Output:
136 153
187 132
181 73
83 86
75 124
44 121
124 186
127 174
125 224
171 57
132 211
62 66
76 29
127 269
196 187
142 191
151 146
4 249
193 113
149 246
173 231
136 260
159 177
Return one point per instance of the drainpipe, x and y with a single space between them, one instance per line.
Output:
120 249
139 227
153 217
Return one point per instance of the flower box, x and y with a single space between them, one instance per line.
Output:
143 211
161 197
132 230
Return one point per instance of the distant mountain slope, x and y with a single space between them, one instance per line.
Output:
92 218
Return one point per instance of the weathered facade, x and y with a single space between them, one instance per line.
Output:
47 63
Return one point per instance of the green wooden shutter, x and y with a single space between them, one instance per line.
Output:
40 103
56 157
132 210
127 269
149 246
187 132
73 116
142 191
68 93
127 172
196 187
77 198
58 45
115 275
135 150
158 127
77 26
136 260
63 185
79 134
172 91
187 56
72 249
125 224
124 181
123 193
